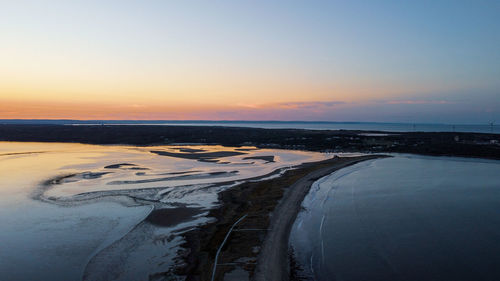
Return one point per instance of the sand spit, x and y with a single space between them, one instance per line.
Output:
273 261
117 166
267 158
259 233
198 156
22 153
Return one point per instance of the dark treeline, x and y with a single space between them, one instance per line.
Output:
428 143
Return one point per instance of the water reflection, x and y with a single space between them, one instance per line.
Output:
69 211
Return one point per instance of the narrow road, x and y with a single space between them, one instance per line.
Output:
273 263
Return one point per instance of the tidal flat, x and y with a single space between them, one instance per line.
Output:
64 217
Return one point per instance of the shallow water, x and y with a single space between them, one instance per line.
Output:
71 212
403 218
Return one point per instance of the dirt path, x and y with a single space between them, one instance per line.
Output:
272 264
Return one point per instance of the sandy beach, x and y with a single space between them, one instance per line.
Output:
273 261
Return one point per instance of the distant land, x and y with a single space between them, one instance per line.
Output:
489 127
484 145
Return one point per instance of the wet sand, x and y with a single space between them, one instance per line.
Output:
172 216
65 221
198 155
267 158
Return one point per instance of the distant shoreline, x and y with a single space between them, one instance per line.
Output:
479 145
269 124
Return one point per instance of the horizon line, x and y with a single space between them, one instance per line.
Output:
234 121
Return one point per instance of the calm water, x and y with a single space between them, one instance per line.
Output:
365 126
403 218
389 127
70 212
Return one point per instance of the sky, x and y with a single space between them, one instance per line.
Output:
383 61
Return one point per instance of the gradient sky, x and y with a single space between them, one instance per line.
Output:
397 61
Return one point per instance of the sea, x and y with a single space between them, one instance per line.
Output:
310 125
407 217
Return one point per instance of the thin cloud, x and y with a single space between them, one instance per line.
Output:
419 102
308 105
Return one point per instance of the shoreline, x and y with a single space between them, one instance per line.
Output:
273 260
272 206
460 144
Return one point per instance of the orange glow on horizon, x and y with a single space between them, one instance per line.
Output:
125 111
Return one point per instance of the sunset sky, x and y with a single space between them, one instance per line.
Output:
386 61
